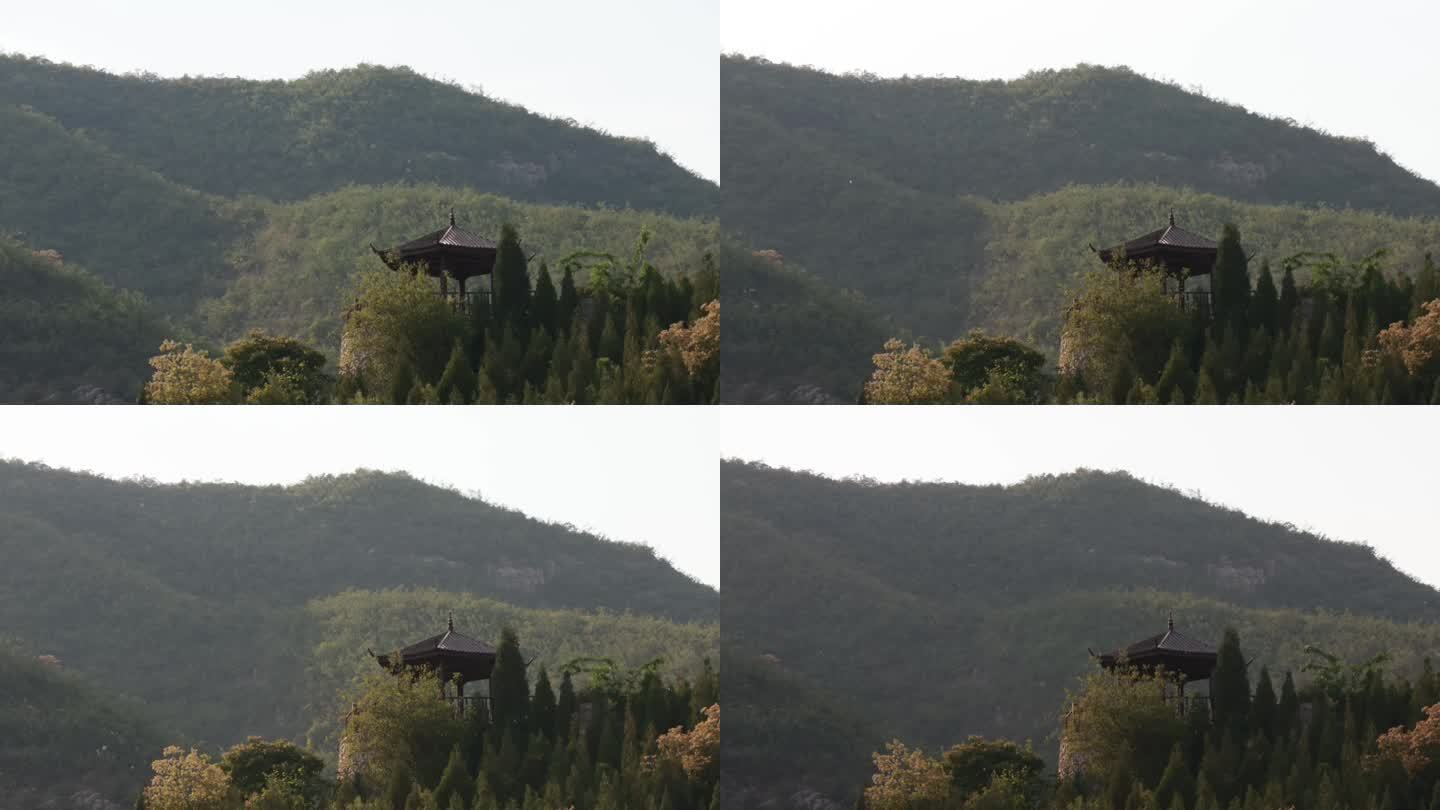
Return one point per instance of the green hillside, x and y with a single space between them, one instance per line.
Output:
285 140
63 740
232 205
936 611
50 313
788 336
61 190
952 204
203 599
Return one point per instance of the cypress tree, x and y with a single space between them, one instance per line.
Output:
1231 281
455 782
565 705
1230 688
1205 393
542 706
1265 304
512 283
458 380
402 381
1287 714
1263 709
569 301
509 690
545 304
1176 783
1289 300
1176 376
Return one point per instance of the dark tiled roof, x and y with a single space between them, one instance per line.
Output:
451 642
1169 641
1171 236
450 236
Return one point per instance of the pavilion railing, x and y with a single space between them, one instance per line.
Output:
468 705
467 302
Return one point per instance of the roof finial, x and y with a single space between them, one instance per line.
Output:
451 623
452 218
1172 218
1172 621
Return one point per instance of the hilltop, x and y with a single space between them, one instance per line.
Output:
986 599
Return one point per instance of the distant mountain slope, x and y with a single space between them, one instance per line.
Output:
61 190
298 270
1009 140
370 125
63 741
194 597
942 610
50 313
952 204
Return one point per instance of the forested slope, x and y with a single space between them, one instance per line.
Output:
207 600
951 204
935 611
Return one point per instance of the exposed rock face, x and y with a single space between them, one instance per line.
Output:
523 577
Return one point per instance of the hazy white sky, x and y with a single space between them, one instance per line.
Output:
648 475
1357 69
644 68
1350 473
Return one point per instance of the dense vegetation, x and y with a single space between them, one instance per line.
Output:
990 596
606 738
789 337
50 312
951 204
1349 334
63 738
1357 735
229 610
236 205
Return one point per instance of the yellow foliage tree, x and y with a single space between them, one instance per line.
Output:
1417 345
696 751
906 779
1418 749
184 376
188 781
699 343
907 376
